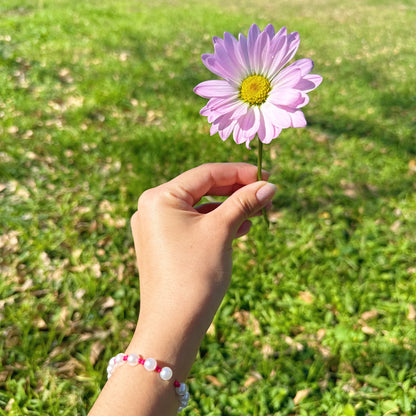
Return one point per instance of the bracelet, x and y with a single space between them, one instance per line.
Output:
150 364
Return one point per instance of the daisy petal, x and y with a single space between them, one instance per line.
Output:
215 88
281 118
213 129
250 122
266 131
277 116
305 65
269 29
225 132
293 41
298 119
308 83
238 134
285 96
288 78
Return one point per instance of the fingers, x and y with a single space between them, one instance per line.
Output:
212 179
245 203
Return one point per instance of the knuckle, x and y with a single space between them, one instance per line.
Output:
146 199
134 220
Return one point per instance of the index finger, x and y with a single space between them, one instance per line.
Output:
213 179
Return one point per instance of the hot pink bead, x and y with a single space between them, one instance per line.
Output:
125 357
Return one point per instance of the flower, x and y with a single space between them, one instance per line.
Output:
256 94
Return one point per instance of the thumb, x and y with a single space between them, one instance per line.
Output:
245 202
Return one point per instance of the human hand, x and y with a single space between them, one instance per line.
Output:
184 255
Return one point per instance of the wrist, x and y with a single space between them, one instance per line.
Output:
173 345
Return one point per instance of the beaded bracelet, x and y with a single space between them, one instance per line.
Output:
150 364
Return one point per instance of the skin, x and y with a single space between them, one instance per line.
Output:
184 257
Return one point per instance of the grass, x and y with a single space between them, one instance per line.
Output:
96 105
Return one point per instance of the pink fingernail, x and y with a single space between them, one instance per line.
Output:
266 192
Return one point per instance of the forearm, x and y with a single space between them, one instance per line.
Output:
172 337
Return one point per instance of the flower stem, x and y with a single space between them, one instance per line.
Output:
259 177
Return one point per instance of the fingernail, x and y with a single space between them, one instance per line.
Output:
266 192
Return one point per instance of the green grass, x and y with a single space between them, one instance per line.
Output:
96 105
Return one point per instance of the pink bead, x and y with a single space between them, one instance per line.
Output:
176 383
125 357
158 369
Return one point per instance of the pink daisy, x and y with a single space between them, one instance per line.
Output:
256 94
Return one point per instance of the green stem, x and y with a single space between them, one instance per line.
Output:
259 177
259 161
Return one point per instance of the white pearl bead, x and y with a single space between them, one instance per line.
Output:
166 373
181 390
185 399
132 359
119 358
150 364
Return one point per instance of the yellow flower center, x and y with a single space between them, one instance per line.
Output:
255 89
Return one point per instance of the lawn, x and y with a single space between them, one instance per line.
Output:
96 105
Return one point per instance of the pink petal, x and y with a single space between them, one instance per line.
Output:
238 134
250 122
269 29
303 100
266 57
287 78
293 41
240 110
242 52
216 40
230 108
281 33
298 119
308 83
277 116
256 56
210 61
277 52
248 141
215 88
228 63
213 129
305 65
277 131
225 132
266 129
253 34
285 96
222 68
231 48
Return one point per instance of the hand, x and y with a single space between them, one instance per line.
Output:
185 255
184 259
